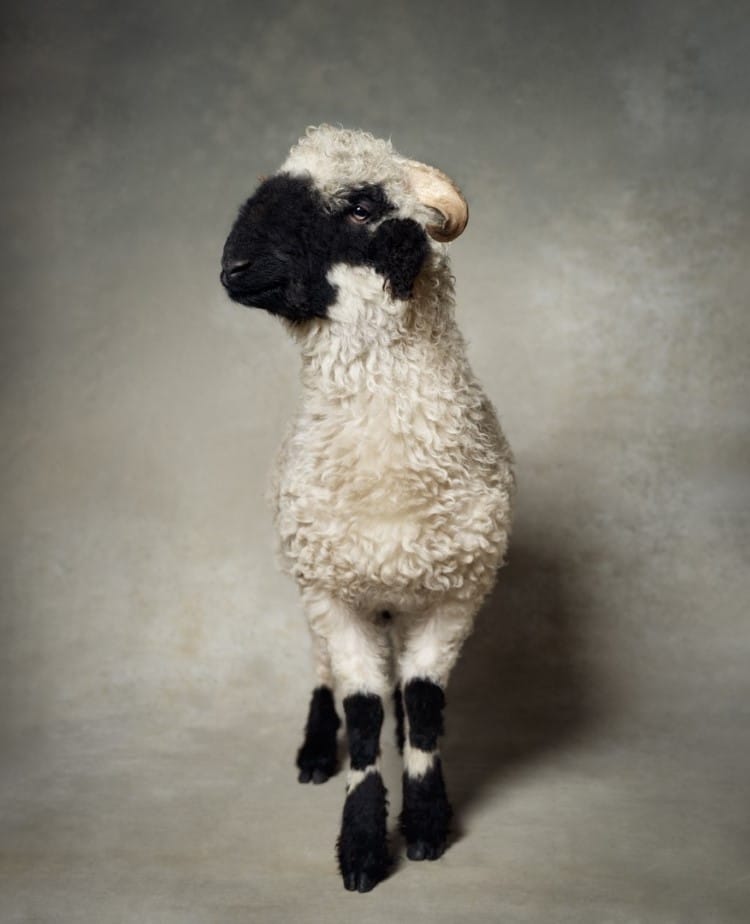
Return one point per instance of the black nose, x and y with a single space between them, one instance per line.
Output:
232 269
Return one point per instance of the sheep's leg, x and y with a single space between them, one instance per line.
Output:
317 758
362 845
397 643
430 651
398 705
358 649
426 812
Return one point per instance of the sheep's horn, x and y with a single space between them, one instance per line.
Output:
438 191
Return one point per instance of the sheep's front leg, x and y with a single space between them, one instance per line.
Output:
358 651
362 846
431 647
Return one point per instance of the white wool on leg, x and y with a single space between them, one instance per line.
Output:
431 643
356 644
322 659
418 762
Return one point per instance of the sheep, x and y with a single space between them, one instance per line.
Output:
393 488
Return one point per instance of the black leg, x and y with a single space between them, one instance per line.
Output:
398 703
426 812
363 845
316 759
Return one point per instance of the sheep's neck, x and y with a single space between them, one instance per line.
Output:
375 346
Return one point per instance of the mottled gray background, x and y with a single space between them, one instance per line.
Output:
154 667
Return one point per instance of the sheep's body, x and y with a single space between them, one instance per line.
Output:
393 488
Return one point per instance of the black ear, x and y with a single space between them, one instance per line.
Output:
398 250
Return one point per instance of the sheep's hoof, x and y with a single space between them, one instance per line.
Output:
421 850
359 882
317 761
364 880
317 775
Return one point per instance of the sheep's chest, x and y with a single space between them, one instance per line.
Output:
372 510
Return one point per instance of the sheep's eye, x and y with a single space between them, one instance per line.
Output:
361 212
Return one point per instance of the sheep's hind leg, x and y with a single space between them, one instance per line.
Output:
317 759
426 812
398 706
398 697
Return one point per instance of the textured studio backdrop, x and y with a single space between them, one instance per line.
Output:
155 665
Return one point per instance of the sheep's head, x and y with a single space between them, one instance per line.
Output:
341 197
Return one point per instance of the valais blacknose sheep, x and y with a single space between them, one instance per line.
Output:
392 491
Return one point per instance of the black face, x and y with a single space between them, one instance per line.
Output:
285 240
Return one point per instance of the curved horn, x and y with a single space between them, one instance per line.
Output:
436 190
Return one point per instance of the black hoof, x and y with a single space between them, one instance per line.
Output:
359 882
365 880
309 773
420 850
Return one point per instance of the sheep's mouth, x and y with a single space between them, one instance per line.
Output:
257 297
286 298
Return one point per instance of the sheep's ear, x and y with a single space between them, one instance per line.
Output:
438 191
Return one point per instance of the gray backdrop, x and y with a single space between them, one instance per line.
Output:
154 666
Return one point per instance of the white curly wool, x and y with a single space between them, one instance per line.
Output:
392 490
